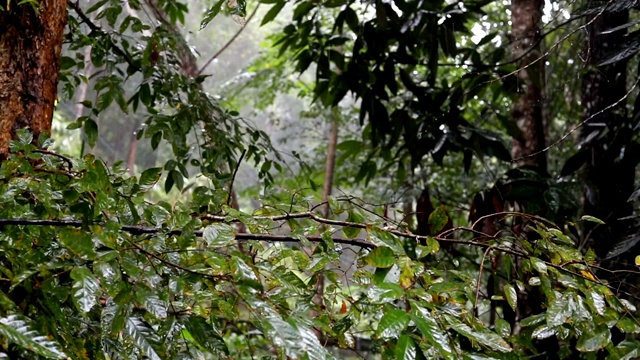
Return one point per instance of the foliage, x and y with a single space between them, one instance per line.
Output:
106 287
91 269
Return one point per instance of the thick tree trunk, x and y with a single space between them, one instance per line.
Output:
528 148
30 47
526 36
607 134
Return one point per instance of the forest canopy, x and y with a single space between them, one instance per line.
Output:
319 179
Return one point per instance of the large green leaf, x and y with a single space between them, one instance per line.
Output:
381 257
144 337
219 235
429 327
273 12
392 323
437 220
593 340
484 337
211 13
85 288
352 232
149 177
17 330
78 242
511 296
406 348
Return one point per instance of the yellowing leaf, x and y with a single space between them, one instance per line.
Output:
588 274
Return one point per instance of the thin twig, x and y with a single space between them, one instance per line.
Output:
225 46
481 267
233 177
49 152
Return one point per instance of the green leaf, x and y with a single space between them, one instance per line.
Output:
155 139
489 339
405 348
219 235
352 232
155 306
539 265
308 344
144 337
149 177
67 63
592 219
596 301
625 350
380 238
272 13
437 220
503 328
178 178
560 237
392 323
543 332
436 336
446 287
628 325
78 242
205 335
18 331
512 297
24 136
85 288
593 341
211 13
433 245
381 257
561 310
91 131
533 320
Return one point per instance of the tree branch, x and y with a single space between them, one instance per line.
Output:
149 230
85 19
366 244
225 46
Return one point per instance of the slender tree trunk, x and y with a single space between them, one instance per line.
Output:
526 36
133 148
329 170
30 47
329 166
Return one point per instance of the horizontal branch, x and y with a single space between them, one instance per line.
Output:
144 230
403 234
366 244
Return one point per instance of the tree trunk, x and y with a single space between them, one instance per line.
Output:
528 147
30 47
526 36
607 134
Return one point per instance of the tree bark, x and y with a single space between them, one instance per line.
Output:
30 48
526 36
